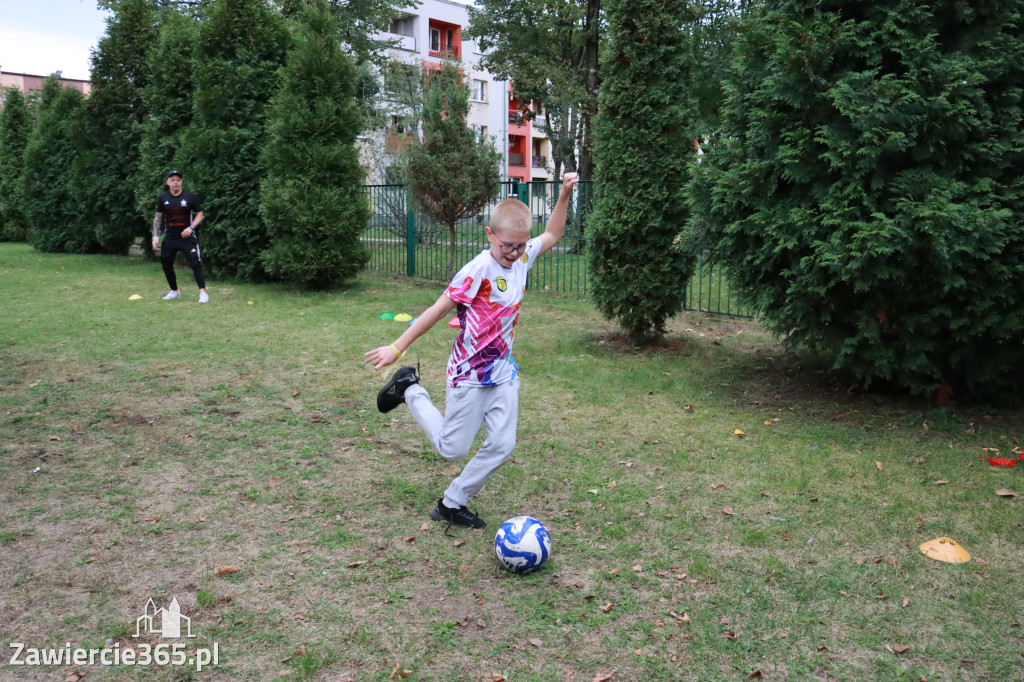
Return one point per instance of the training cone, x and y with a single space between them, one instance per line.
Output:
403 317
945 549
454 323
134 297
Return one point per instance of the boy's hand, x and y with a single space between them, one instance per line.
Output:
380 357
569 181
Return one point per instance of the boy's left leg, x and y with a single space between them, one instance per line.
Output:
501 418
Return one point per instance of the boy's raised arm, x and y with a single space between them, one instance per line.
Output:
556 222
385 355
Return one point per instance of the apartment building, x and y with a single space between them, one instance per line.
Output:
27 82
432 31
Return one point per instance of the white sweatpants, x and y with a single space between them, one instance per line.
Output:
466 408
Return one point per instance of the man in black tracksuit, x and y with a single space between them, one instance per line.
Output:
179 212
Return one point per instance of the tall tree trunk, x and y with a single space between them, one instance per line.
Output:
590 63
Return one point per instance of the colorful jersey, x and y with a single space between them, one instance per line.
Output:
489 297
177 210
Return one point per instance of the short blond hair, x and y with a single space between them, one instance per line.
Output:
511 215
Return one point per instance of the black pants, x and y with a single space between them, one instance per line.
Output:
188 246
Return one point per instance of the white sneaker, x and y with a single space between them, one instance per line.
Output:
204 297
171 295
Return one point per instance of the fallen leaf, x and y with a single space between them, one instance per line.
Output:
878 465
459 543
58 438
353 564
535 642
425 526
731 635
607 607
226 570
739 433
756 675
906 602
1003 492
496 678
301 651
716 486
941 482
688 408
295 394
74 676
202 519
727 511
601 677
614 571
411 539
298 616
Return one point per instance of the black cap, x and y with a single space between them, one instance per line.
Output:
174 172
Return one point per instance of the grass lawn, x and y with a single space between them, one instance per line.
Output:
146 444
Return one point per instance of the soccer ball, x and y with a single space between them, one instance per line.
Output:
522 544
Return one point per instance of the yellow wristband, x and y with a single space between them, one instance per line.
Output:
397 352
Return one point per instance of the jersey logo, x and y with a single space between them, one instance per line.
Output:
184 203
167 203
524 257
501 284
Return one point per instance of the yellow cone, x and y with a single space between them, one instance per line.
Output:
403 317
945 549
134 297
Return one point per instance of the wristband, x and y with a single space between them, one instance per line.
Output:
397 352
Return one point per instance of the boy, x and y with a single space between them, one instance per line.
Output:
482 377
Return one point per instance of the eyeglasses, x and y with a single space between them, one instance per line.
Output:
510 248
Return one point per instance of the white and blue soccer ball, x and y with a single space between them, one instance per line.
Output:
522 544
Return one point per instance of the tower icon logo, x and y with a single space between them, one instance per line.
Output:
164 622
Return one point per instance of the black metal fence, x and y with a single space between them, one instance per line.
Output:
402 242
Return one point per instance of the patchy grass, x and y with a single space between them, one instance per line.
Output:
148 443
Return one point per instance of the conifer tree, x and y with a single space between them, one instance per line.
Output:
167 98
644 152
242 45
451 175
867 194
313 202
112 127
52 210
15 126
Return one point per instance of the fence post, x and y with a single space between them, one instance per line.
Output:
410 236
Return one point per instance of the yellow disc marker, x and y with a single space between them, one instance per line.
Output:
945 549
134 297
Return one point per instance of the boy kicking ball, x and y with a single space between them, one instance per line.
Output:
482 377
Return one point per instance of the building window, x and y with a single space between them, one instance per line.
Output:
435 40
480 132
479 90
402 26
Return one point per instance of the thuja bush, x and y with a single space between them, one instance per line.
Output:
644 152
866 192
313 200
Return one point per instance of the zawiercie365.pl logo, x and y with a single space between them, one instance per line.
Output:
163 623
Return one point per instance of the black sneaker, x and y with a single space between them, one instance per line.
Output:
460 517
393 393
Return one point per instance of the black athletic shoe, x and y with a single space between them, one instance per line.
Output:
459 517
393 393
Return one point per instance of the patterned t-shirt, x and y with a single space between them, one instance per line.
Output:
488 297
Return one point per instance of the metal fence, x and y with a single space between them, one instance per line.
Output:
402 242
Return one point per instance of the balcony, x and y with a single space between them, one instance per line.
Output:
540 120
539 161
402 42
393 144
516 159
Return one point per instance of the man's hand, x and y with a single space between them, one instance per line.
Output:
156 243
187 232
